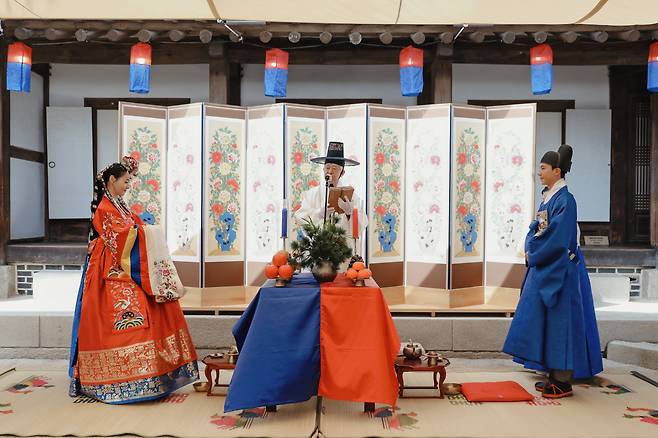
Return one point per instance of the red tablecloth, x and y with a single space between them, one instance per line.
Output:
358 343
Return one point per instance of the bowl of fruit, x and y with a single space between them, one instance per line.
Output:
357 271
280 270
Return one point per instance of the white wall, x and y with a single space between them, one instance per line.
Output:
587 85
71 83
329 82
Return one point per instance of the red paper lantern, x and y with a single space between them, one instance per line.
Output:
541 69
411 71
140 53
19 67
276 58
276 73
140 68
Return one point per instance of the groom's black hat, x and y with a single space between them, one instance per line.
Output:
335 155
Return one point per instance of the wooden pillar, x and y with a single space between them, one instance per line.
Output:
653 199
4 158
218 82
442 81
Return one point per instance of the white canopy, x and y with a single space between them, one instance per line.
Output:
421 12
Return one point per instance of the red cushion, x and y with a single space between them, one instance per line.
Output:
507 391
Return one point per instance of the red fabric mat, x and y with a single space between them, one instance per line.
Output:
507 391
358 343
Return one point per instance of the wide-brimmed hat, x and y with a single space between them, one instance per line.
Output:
335 155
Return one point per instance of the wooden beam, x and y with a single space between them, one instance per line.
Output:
5 212
653 203
218 81
84 35
176 35
442 82
145 35
26 154
57 34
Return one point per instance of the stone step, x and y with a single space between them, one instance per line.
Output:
642 354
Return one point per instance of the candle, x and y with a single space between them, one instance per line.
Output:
284 222
355 223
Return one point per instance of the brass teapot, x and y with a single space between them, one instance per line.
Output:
413 350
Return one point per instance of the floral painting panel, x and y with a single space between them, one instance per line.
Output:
224 164
144 140
386 190
510 187
427 190
467 185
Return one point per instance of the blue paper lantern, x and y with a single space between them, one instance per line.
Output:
411 71
140 68
276 73
19 67
652 65
541 69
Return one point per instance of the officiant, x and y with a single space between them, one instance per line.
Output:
314 200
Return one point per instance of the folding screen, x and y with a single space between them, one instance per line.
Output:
427 217
183 190
509 191
143 135
265 191
467 199
224 156
348 124
305 139
386 143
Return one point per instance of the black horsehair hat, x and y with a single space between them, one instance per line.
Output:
335 155
560 159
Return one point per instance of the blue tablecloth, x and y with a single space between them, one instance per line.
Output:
279 341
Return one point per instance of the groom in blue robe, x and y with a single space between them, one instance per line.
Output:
554 327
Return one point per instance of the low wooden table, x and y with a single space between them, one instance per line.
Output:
216 364
404 365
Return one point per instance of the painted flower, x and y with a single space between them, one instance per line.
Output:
462 210
136 155
435 160
475 209
387 169
189 158
461 158
468 138
434 209
217 183
395 146
462 185
217 209
498 185
418 185
232 207
152 157
395 185
233 183
144 196
144 167
468 198
137 209
380 210
305 138
305 169
224 137
387 198
152 208
468 170
144 138
476 146
392 159
387 140
379 185
256 185
476 186
298 157
154 145
154 184
270 208
314 145
271 159
234 145
224 196
216 157
516 208
296 207
189 207
475 159
497 146
379 158
135 183
231 158
394 210
224 168
313 183
517 160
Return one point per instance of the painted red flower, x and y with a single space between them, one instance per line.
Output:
313 183
189 207
476 146
498 185
234 146
517 160
418 185
476 186
435 160
298 157
216 157
462 210
136 155
233 183
434 208
462 158
137 209
379 158
380 210
154 145
296 207
218 209
516 208
395 185
154 184
190 158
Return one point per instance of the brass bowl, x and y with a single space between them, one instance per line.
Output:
451 388
200 386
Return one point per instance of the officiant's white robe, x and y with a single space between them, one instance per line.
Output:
313 202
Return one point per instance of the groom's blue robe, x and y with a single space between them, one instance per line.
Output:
554 326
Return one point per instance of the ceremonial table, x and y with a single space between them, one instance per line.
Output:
331 339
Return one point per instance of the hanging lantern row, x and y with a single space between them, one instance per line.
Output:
19 67
140 68
541 69
411 71
276 73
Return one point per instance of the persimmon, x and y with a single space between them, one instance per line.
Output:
351 274
280 258
364 273
271 271
286 271
357 266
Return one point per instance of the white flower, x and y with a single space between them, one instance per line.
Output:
305 169
468 139
224 196
468 198
468 170
224 168
144 167
152 207
387 169
305 138
144 196
387 140
387 198
144 138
